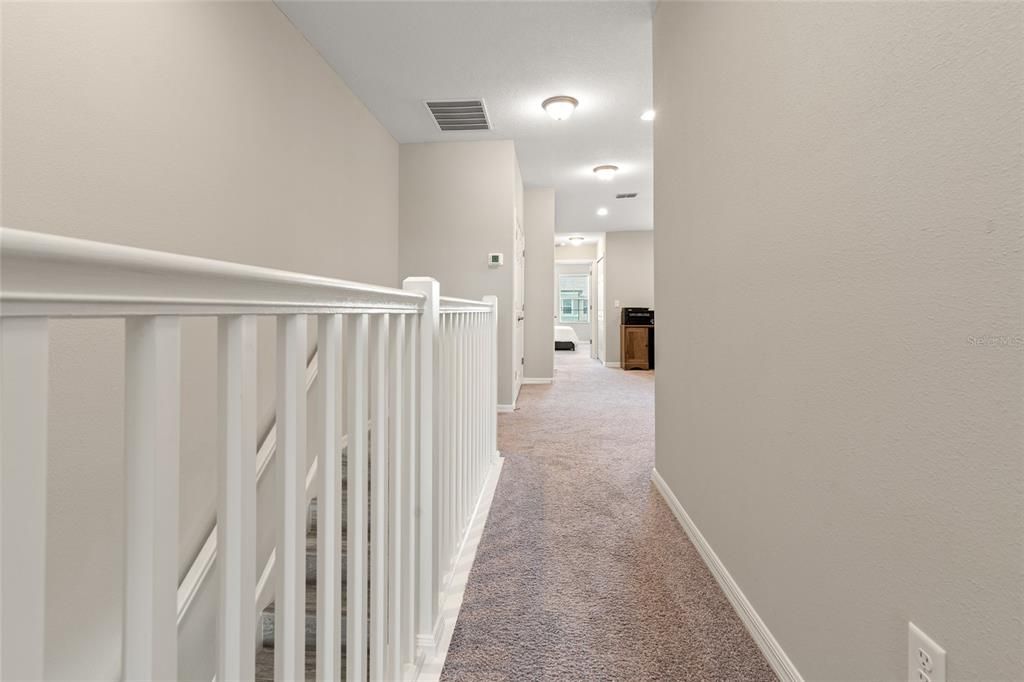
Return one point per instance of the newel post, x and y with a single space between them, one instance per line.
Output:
426 586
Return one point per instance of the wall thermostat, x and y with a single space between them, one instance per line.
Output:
495 259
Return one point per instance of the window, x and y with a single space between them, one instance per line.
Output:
574 298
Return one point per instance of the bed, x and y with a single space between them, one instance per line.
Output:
565 338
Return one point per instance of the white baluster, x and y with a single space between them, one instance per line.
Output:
464 355
236 502
474 421
24 370
356 400
460 434
474 455
443 464
482 396
482 400
396 489
152 414
492 384
428 592
380 446
482 390
451 415
290 565
410 483
328 521
470 416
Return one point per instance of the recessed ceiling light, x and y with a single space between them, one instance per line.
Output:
647 115
605 172
560 107
602 211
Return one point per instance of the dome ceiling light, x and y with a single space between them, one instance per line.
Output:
576 240
605 172
561 107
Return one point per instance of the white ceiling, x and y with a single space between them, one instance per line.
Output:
513 55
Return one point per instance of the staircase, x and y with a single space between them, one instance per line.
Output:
265 655
265 651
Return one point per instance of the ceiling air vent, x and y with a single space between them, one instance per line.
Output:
626 195
461 114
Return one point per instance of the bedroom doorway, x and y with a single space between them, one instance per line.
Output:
573 310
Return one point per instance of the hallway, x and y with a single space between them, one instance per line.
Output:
583 572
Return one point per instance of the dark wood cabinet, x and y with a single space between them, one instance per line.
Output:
636 343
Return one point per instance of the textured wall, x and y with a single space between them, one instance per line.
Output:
207 128
458 204
539 225
838 212
629 279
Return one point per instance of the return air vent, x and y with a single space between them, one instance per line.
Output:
626 195
461 114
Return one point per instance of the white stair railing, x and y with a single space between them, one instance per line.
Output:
419 398
466 379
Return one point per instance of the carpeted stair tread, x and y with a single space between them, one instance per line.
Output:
265 656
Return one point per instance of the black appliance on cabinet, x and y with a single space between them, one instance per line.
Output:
642 317
637 316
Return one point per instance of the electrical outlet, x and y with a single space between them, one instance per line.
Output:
926 660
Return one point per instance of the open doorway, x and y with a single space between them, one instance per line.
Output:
576 294
573 306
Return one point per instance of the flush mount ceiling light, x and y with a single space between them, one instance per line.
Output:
602 211
647 115
576 240
605 172
560 107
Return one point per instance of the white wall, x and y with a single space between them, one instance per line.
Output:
582 329
539 225
629 280
208 128
458 203
838 211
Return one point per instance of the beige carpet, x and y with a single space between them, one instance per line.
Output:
583 572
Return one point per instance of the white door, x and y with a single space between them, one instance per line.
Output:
518 311
600 311
593 309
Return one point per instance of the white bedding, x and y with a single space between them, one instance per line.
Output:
563 333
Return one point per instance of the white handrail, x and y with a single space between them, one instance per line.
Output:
47 275
420 372
451 304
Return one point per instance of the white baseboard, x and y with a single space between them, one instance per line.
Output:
506 408
764 639
430 670
427 644
613 364
539 380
